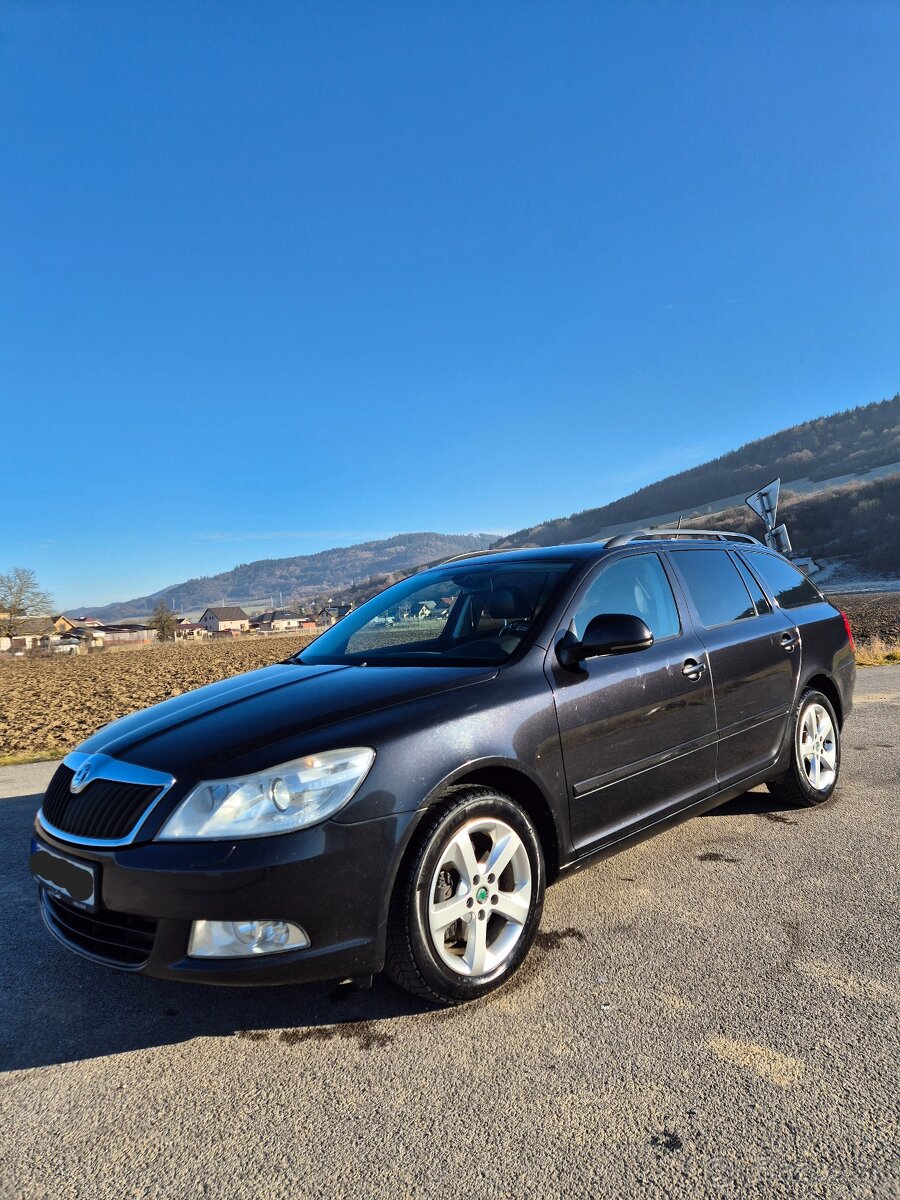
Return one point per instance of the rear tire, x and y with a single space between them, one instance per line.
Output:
815 754
465 912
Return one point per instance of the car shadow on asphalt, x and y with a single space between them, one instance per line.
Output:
56 1007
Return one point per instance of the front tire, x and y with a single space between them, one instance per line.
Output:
466 911
815 754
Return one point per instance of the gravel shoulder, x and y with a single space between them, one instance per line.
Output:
711 1013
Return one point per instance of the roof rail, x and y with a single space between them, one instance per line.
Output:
718 535
621 539
473 554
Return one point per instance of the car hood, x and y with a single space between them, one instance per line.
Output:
201 731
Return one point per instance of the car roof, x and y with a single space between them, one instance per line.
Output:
574 551
577 550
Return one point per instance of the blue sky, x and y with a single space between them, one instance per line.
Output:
281 276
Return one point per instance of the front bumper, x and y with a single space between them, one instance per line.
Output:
334 880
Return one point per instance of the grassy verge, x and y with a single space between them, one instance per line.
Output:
31 756
877 652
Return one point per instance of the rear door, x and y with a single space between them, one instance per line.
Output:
754 656
637 730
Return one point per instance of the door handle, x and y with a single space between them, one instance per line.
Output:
788 642
693 670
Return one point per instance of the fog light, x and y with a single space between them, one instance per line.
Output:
243 939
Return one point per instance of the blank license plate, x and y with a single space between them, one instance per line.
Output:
73 881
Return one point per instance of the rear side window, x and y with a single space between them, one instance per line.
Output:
636 585
757 595
789 586
715 586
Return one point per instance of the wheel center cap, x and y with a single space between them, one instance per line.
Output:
481 895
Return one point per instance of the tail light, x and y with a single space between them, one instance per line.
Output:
849 632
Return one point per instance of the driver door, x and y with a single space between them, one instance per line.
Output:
638 729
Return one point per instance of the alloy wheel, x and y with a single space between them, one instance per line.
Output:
817 747
480 897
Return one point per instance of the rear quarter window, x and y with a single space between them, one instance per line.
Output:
758 596
789 586
717 589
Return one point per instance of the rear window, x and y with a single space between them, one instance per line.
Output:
715 585
789 586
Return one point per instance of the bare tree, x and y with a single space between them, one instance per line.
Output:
163 621
21 596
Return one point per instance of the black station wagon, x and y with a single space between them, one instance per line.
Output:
398 794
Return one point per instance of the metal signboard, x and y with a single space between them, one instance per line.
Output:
765 503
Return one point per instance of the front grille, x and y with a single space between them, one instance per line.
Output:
116 938
106 809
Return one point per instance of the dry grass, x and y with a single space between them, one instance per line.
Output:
26 756
875 620
878 652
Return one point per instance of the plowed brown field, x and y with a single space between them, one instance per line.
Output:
51 704
872 614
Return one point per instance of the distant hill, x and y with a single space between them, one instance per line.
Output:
858 521
294 579
850 443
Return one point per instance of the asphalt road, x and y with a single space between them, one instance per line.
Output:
712 1013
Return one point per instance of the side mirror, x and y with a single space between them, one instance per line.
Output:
609 633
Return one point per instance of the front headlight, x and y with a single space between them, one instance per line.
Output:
292 796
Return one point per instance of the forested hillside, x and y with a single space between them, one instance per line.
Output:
856 440
857 521
300 576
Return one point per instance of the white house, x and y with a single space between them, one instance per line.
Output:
217 620
278 620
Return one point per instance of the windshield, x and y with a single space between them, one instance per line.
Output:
451 616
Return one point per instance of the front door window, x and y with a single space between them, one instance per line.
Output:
636 585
